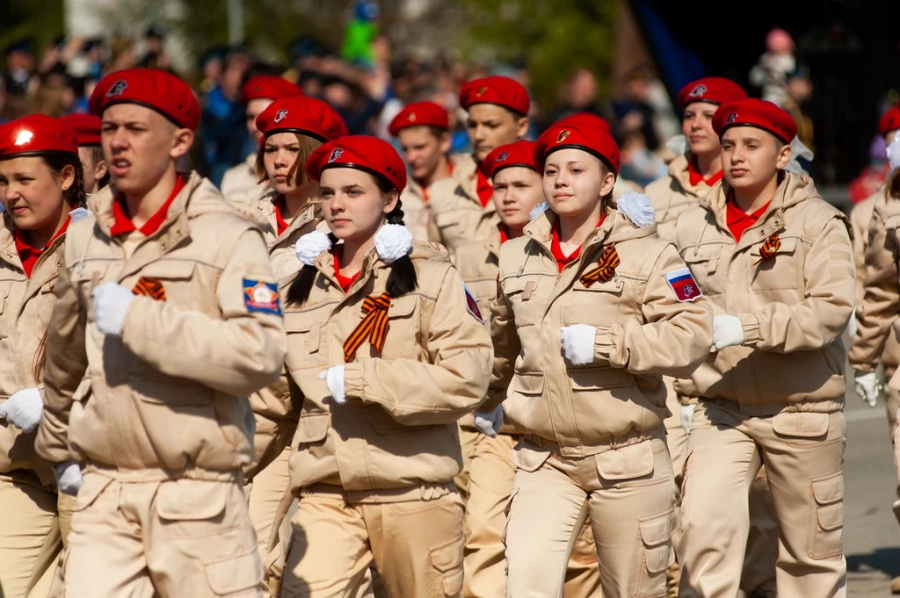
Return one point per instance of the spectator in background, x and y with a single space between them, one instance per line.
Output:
350 101
121 57
771 72
212 64
635 108
20 64
639 164
222 119
578 94
799 90
155 56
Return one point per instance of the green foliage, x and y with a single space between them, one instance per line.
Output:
553 36
41 19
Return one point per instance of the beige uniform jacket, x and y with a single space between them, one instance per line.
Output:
25 307
643 333
416 211
272 406
794 305
457 214
674 194
876 336
240 183
398 427
170 394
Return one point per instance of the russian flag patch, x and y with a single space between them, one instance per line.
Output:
472 305
683 285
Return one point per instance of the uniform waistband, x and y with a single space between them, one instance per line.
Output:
771 410
607 444
160 475
421 492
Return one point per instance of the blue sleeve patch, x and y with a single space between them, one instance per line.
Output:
261 297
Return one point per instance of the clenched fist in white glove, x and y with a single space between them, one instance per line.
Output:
111 303
23 409
868 387
68 477
489 423
727 331
578 343
334 380
687 417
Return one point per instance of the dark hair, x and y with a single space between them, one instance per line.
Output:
74 195
401 280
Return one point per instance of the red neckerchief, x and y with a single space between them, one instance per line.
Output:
29 255
280 205
484 189
697 178
737 220
122 223
504 233
563 260
345 281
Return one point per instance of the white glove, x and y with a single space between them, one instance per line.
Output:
334 379
868 387
687 417
727 331
68 477
111 303
852 325
489 423
23 409
578 343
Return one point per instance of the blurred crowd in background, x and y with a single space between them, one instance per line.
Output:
367 83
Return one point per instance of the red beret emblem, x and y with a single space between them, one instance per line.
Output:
117 89
731 118
698 91
563 135
502 156
335 154
280 116
412 117
24 137
481 91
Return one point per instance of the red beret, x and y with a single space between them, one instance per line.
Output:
300 114
154 88
586 118
501 91
267 87
587 137
755 113
890 121
520 153
85 126
362 152
35 135
420 114
712 90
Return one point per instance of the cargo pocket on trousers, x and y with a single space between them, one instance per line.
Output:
826 517
235 574
93 487
653 555
627 464
447 560
801 429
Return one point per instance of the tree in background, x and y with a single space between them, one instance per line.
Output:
41 20
554 37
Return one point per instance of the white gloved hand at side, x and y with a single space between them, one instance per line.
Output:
728 331
111 303
489 423
578 343
68 477
852 325
868 387
334 380
23 409
687 417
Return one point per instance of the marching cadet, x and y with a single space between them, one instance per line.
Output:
691 176
387 350
423 130
776 261
461 206
241 182
875 246
40 183
167 318
592 310
93 164
291 128
517 191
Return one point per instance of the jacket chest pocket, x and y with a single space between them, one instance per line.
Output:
177 282
449 224
778 270
307 342
403 334
704 265
46 300
6 314
86 276
522 293
597 305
